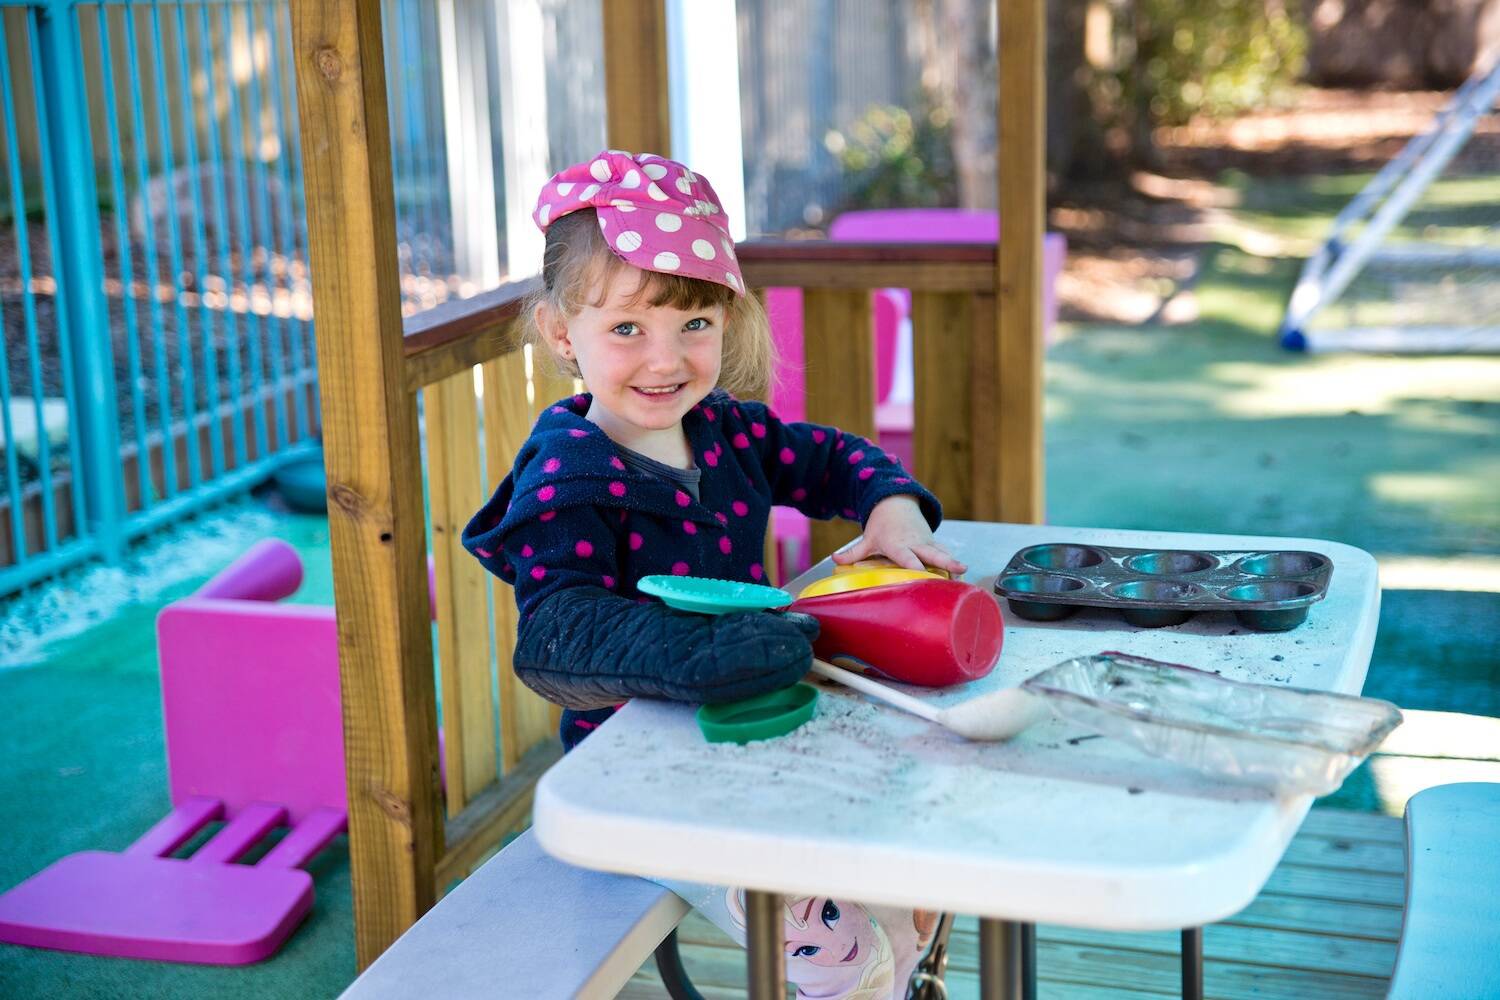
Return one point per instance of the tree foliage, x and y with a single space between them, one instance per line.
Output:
1212 57
892 158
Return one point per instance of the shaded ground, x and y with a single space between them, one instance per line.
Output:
1202 425
1135 241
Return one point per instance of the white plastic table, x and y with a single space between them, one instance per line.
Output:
871 804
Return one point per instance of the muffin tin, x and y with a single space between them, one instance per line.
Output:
1269 591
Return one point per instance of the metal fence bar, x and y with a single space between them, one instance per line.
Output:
433 141
221 223
71 211
7 423
169 485
285 240
185 360
234 481
409 89
47 564
388 43
423 120
299 218
127 271
247 237
28 294
200 241
186 371
276 325
12 461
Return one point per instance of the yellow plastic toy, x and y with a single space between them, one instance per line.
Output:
852 579
881 562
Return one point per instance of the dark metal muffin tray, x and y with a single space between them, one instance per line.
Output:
1269 591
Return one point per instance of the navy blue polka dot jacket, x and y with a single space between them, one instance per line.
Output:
573 529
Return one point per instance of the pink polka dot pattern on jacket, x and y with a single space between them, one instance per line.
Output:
572 517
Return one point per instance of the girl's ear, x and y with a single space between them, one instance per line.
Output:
554 329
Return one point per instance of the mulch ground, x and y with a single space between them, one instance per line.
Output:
1133 240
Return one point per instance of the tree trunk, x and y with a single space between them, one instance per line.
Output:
1075 143
955 39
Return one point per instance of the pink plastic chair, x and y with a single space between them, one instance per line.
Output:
892 312
250 698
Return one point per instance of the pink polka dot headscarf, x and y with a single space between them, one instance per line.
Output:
654 213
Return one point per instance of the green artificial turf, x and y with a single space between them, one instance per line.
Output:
1207 426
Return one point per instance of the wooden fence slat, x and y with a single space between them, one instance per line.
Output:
839 355
983 419
501 808
371 451
455 493
942 336
548 385
525 717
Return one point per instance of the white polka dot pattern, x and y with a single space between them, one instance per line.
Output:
688 233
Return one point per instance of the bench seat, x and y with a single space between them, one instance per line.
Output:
1450 934
526 925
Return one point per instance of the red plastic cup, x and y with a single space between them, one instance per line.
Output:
929 632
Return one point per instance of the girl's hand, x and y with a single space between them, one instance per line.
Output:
897 530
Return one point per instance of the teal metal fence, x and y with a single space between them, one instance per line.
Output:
154 289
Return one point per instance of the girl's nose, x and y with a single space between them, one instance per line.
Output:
665 355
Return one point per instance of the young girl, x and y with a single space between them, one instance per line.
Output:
659 468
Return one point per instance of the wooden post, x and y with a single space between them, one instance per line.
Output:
637 110
374 476
1017 469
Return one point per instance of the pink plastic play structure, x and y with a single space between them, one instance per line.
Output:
250 697
893 352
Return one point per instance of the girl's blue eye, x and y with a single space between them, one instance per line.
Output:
624 329
806 951
697 324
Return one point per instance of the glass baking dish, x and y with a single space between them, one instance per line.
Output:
1288 740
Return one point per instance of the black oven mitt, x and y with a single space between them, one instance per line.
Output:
585 648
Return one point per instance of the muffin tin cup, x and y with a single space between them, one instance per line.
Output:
1268 591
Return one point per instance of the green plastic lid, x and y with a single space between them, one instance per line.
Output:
712 597
763 717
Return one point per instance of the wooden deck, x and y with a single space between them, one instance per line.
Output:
1324 926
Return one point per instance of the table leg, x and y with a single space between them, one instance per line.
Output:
1001 961
765 950
1192 963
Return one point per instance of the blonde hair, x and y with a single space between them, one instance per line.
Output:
577 260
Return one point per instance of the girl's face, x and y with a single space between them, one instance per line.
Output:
645 365
834 936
